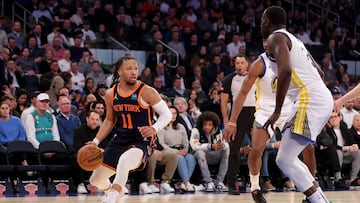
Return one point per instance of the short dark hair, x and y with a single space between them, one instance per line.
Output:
276 15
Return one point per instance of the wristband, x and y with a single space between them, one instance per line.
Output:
96 141
233 124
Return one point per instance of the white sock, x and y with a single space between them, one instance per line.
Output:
337 175
254 179
113 194
318 197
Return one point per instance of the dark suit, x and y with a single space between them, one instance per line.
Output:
168 79
172 93
152 61
192 121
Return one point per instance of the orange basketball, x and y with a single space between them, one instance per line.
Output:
90 157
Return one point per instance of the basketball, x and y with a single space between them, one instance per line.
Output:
90 157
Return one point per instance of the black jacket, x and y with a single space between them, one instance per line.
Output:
84 134
348 138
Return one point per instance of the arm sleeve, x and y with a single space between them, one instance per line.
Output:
164 115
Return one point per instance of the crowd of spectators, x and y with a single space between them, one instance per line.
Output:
54 58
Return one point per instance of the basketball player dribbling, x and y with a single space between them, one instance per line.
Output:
298 78
129 109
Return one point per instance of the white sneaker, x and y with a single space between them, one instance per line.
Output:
81 189
154 188
166 188
221 187
144 189
210 187
111 197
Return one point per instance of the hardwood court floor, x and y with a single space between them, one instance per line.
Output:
275 197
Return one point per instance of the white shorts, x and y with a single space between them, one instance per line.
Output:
309 118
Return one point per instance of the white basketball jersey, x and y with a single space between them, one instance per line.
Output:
304 73
266 85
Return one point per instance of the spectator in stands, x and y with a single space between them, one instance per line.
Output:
345 85
85 62
13 76
177 90
89 35
96 73
213 103
100 92
326 158
76 18
203 23
78 49
56 33
355 128
234 46
44 64
145 76
174 138
158 85
3 35
303 36
200 58
82 135
346 145
57 48
77 78
10 126
160 71
333 49
68 31
36 53
194 103
102 37
14 50
156 58
348 113
22 100
42 12
31 108
329 73
123 17
89 87
11 101
213 68
210 149
340 69
40 125
184 117
40 36
17 34
64 62
89 98
66 121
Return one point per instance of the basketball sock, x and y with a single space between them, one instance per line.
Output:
318 197
254 179
111 197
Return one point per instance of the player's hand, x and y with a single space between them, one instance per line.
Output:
337 106
271 121
229 133
146 131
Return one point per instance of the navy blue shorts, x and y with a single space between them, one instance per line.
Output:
113 152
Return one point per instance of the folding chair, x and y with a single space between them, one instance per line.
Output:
58 166
29 177
6 185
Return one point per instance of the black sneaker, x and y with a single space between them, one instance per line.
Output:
305 201
233 191
258 197
341 185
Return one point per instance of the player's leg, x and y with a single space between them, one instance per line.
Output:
309 159
100 178
259 138
288 161
129 160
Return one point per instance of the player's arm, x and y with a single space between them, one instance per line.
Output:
109 120
351 95
279 46
255 70
152 97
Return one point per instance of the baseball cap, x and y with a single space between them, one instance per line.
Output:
42 97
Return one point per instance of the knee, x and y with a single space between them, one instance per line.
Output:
199 154
281 161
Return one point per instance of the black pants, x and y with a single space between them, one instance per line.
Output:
327 160
244 125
